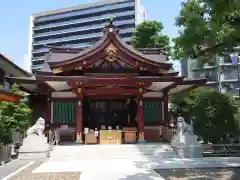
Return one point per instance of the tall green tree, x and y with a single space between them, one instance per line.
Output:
149 35
13 117
214 114
207 28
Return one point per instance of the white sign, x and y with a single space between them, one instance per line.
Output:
64 127
85 130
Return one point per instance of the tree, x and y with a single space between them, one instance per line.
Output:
207 28
149 35
213 114
13 117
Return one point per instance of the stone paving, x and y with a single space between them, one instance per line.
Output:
201 174
123 162
12 167
27 174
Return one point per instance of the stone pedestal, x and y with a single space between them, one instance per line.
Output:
79 139
187 146
141 138
34 147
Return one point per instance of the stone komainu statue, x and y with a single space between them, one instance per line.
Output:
37 128
183 127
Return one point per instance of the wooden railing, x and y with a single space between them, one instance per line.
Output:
221 150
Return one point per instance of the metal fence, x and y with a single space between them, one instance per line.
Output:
5 153
221 150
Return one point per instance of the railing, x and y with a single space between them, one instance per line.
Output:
51 141
221 150
5 153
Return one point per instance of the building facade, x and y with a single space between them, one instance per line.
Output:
222 75
80 26
8 68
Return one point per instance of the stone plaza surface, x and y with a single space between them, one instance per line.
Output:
119 162
12 167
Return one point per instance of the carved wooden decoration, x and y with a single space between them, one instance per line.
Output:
111 48
57 70
163 71
111 52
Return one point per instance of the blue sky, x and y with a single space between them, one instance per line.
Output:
15 18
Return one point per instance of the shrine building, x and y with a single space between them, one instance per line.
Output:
108 87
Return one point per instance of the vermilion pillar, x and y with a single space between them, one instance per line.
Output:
48 109
140 117
79 117
165 107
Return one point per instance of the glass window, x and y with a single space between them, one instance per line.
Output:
2 74
91 10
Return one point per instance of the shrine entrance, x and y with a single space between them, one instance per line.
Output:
113 113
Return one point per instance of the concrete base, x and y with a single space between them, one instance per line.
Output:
34 147
141 138
187 146
79 139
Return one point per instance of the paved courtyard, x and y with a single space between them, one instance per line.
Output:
127 162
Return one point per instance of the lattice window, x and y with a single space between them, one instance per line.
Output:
64 112
152 111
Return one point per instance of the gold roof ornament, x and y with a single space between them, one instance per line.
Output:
111 48
57 70
111 51
163 71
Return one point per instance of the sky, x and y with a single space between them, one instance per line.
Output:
15 20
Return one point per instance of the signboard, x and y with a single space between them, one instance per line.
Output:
64 127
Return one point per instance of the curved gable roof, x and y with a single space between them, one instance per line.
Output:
110 36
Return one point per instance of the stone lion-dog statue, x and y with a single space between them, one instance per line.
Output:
37 128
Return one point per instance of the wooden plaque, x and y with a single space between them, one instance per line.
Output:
110 137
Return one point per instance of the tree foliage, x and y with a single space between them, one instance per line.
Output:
149 35
13 117
215 115
207 26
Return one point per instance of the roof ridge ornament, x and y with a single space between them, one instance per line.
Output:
110 27
110 20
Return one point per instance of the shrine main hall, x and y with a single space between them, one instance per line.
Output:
106 93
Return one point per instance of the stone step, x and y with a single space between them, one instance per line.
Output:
112 152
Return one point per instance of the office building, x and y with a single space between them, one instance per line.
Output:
222 74
80 26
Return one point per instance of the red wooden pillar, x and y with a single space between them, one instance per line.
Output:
140 116
79 116
48 109
165 107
